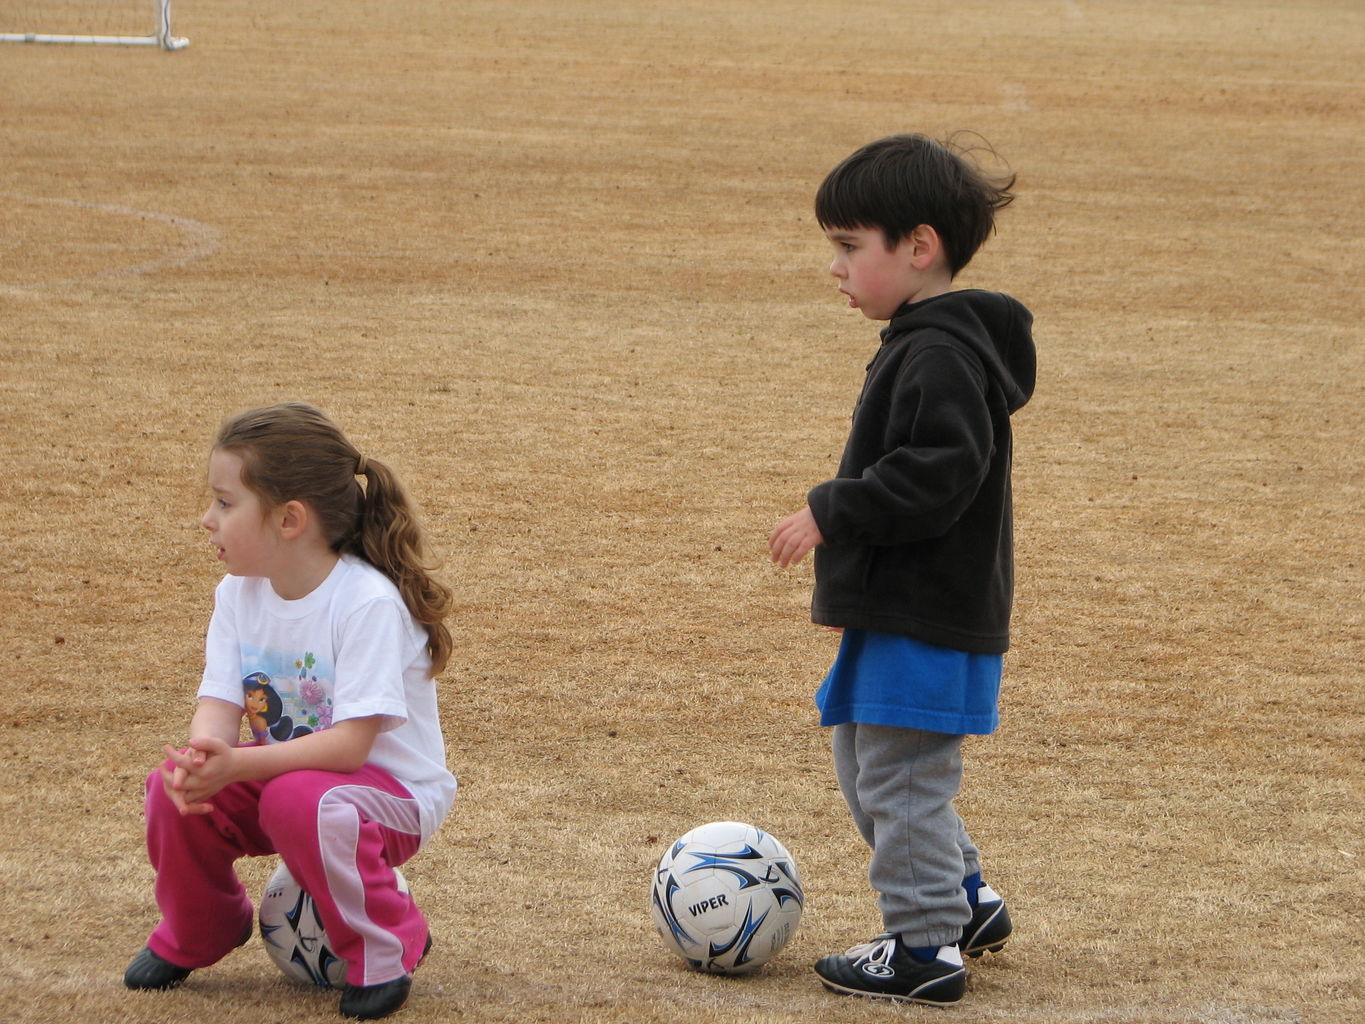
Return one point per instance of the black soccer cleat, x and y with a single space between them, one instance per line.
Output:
149 972
884 969
989 927
371 1002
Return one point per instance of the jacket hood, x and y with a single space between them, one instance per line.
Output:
996 327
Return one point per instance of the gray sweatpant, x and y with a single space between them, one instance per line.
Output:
900 785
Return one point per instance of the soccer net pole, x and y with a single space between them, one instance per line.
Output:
163 37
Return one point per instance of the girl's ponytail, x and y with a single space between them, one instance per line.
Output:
388 536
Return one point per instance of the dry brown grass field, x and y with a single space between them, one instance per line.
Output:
556 262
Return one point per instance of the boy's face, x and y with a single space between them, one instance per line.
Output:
877 280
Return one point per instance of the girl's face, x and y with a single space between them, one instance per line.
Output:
246 540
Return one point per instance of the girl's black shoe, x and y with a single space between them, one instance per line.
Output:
149 971
370 1002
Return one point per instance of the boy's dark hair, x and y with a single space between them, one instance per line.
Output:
902 181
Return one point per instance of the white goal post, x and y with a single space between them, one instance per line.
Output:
96 23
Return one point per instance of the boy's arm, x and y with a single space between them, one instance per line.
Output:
941 428
792 538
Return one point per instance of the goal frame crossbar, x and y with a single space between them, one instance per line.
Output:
163 37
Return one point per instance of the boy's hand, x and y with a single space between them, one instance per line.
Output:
793 537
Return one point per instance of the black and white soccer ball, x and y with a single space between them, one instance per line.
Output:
726 897
294 935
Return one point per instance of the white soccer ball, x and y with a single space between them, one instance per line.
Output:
293 932
726 897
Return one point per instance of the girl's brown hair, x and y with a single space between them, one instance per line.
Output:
293 452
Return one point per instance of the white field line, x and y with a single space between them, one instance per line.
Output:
197 241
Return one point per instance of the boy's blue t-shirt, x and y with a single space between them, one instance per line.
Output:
887 679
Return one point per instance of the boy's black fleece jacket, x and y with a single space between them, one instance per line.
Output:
917 524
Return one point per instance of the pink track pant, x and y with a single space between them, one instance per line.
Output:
340 835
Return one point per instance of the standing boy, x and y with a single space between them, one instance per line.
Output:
913 552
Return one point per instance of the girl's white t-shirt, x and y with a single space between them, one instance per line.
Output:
349 649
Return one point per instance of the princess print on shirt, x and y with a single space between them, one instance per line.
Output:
289 704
